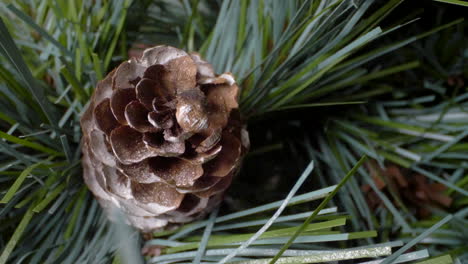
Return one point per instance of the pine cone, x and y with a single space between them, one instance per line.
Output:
162 138
412 189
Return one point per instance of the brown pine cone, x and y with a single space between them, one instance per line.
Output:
162 138
414 190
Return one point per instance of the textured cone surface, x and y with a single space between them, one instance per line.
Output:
162 138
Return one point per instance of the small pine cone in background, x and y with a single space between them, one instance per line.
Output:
162 138
414 190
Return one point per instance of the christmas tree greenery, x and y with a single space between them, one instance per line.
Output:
356 112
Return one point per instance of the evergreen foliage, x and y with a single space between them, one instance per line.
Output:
336 87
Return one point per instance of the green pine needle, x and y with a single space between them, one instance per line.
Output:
320 207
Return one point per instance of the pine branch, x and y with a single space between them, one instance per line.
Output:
290 56
58 52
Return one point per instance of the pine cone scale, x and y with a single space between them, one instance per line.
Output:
136 115
181 74
98 139
225 161
128 146
125 74
119 101
161 141
106 120
147 90
157 192
220 186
